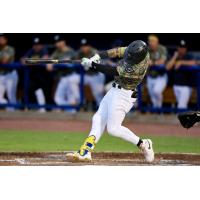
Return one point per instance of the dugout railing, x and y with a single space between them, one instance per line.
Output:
25 103
195 70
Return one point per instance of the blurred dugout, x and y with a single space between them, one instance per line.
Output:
156 80
38 83
167 83
67 90
95 80
8 76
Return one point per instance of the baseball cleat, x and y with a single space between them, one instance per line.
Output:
147 149
84 154
76 157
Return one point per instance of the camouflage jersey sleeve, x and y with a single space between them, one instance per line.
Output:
113 53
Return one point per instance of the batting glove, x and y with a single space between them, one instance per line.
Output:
96 58
87 63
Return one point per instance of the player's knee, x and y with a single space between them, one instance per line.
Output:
157 91
113 130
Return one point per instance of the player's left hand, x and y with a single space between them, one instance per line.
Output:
96 58
87 63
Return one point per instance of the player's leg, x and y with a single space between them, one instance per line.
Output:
176 93
97 86
2 89
73 91
98 126
120 104
183 94
60 94
160 85
150 86
41 100
99 121
11 87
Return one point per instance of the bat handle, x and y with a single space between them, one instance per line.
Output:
64 61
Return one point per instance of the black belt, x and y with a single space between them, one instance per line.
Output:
134 95
116 86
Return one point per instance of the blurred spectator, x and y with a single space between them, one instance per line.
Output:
182 79
67 92
156 80
92 78
8 76
38 74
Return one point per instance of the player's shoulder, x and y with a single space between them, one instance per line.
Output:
93 50
162 47
9 49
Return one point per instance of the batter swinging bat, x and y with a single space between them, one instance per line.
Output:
30 61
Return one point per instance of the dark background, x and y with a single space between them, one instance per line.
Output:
23 41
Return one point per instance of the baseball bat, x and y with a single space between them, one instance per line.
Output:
30 61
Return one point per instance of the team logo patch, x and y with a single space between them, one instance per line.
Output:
129 69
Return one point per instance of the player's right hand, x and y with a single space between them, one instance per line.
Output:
87 63
96 58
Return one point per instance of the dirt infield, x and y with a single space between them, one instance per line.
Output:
106 159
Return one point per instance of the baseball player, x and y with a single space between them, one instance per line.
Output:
182 79
8 77
156 80
67 91
118 101
37 83
92 78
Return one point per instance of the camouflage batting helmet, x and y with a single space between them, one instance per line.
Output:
135 52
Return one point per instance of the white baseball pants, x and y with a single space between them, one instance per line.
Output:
96 83
8 85
156 86
183 94
111 113
68 91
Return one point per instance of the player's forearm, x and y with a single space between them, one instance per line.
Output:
188 62
109 70
160 62
113 53
170 64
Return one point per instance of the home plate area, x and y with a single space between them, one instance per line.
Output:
99 158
